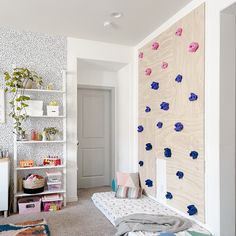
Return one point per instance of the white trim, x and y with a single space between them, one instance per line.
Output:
2 106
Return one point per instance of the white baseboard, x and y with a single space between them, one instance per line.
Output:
72 199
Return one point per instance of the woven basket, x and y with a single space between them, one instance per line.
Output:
34 183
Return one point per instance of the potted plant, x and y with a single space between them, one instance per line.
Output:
16 82
51 133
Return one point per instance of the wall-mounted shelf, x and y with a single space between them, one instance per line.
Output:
42 91
45 116
18 169
46 192
41 142
39 167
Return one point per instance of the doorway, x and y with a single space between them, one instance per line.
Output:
94 137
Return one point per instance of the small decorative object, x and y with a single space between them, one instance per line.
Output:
169 195
149 183
167 152
51 133
192 210
2 106
26 163
49 86
179 78
164 106
155 45
34 135
179 127
140 128
179 32
44 136
140 55
148 109
193 47
114 185
52 161
155 85
193 97
34 108
16 82
33 184
164 65
180 174
148 147
159 125
53 108
141 163
193 154
148 71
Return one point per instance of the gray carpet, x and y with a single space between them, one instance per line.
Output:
76 219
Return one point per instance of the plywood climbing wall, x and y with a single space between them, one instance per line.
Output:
171 113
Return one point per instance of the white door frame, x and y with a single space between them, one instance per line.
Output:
112 91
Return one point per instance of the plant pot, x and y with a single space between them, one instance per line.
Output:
52 137
27 84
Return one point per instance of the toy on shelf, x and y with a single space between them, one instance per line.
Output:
52 161
26 163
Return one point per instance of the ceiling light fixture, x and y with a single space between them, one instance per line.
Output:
107 24
116 14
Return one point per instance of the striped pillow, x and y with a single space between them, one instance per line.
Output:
127 192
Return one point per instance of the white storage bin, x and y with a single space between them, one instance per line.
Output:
54 176
54 186
53 110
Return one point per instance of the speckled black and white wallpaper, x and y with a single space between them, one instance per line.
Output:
47 55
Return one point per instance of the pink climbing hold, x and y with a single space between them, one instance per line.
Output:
164 65
193 47
155 45
148 71
179 32
140 56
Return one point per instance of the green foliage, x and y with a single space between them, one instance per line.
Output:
51 130
15 81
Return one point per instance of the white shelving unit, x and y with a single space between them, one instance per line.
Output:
62 167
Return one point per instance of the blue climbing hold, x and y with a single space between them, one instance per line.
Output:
167 152
179 78
140 128
192 210
148 109
169 195
141 163
180 174
149 182
193 154
193 97
148 147
159 125
179 127
165 106
155 85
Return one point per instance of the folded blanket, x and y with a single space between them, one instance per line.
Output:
151 223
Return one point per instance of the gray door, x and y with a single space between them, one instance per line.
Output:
94 154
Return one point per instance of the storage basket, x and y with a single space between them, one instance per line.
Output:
29 205
34 184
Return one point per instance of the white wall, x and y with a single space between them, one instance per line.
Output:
227 123
214 222
92 50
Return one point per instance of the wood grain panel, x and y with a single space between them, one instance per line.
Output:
174 50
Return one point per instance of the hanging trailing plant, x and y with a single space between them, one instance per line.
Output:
16 83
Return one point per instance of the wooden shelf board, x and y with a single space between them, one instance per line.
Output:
34 142
40 167
41 91
46 192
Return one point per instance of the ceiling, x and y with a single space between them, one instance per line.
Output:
84 18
